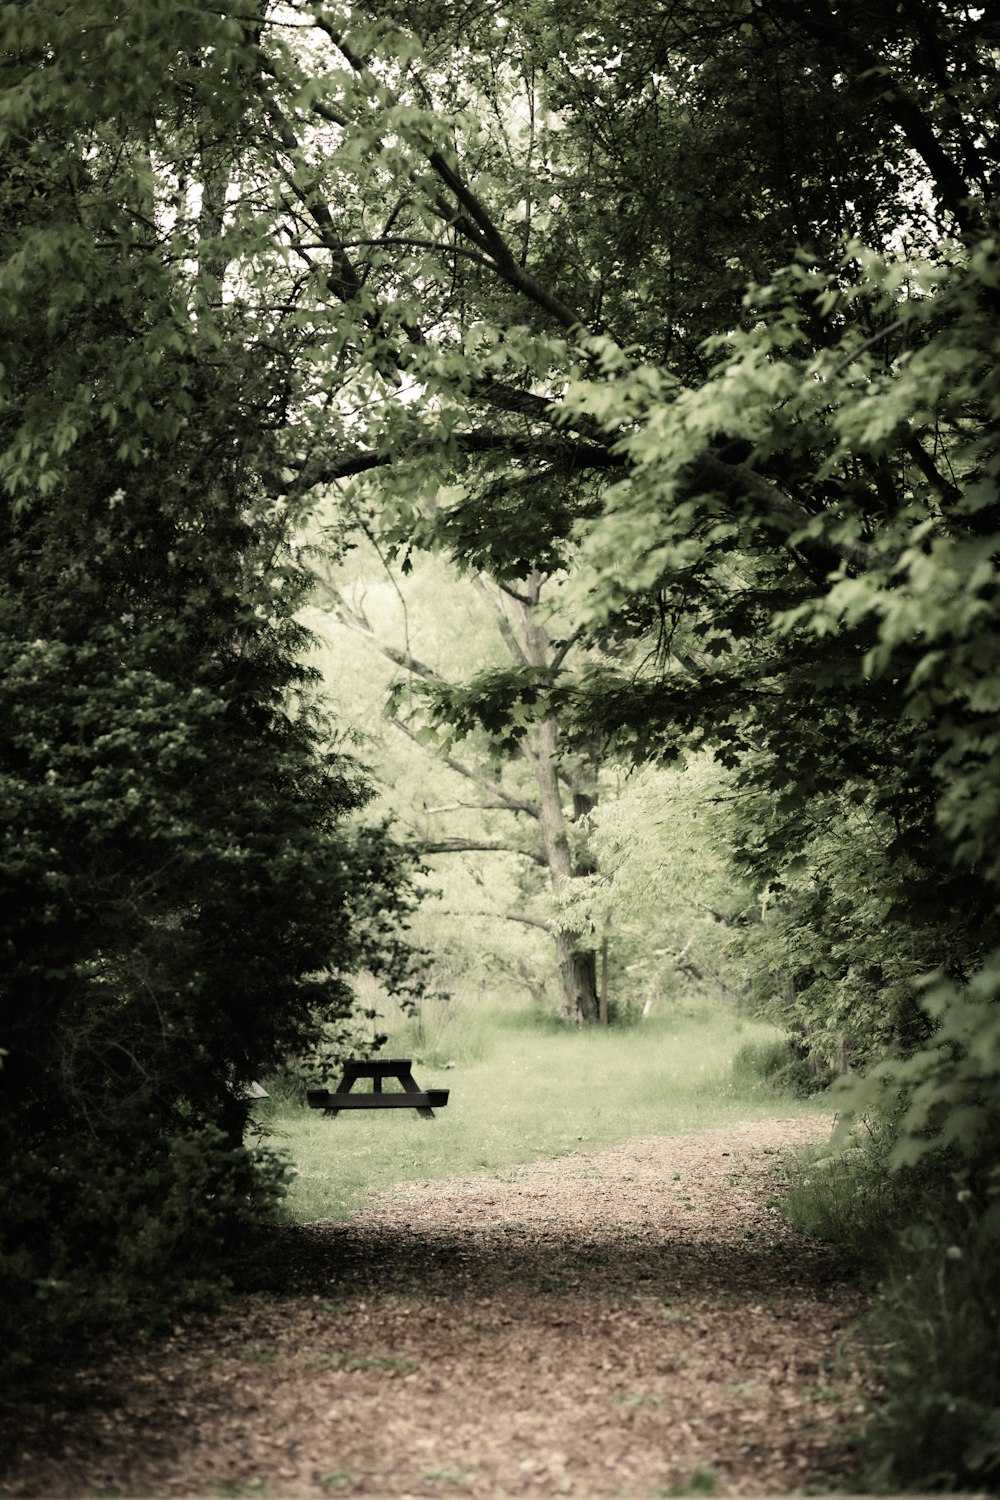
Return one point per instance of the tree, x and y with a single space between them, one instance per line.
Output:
751 471
786 503
721 496
180 895
541 814
856 392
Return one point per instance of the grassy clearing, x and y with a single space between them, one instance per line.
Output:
523 1088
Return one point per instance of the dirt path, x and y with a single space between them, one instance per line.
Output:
612 1323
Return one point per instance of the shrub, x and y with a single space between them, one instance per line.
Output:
937 1327
94 1240
781 1065
930 1235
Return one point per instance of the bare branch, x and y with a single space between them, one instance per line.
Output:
358 621
507 633
505 798
561 652
529 921
477 846
467 807
503 916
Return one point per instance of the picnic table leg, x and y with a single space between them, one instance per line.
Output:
411 1086
343 1087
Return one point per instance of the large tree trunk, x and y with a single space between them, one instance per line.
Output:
578 999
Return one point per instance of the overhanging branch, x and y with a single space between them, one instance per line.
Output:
505 798
568 456
476 846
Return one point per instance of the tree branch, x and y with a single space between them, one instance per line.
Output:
467 807
561 652
490 239
868 73
344 282
359 623
473 221
737 482
503 916
945 489
472 846
506 799
508 636
529 921
572 456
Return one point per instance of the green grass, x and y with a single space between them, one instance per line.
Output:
522 1088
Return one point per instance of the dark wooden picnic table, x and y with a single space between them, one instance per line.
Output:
424 1101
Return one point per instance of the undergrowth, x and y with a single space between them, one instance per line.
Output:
126 1247
775 1062
930 1238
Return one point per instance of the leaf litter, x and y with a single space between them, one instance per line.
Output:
637 1321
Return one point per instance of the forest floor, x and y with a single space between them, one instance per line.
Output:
628 1322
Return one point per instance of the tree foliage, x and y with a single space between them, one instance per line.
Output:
181 896
792 484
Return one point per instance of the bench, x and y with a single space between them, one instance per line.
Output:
424 1101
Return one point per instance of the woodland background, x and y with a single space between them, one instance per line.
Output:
593 427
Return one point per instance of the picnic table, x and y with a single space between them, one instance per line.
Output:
412 1096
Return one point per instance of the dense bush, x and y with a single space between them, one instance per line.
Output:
936 1331
182 890
103 1236
182 893
929 1235
175 880
846 925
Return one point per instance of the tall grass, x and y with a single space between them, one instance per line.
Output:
523 1087
930 1237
